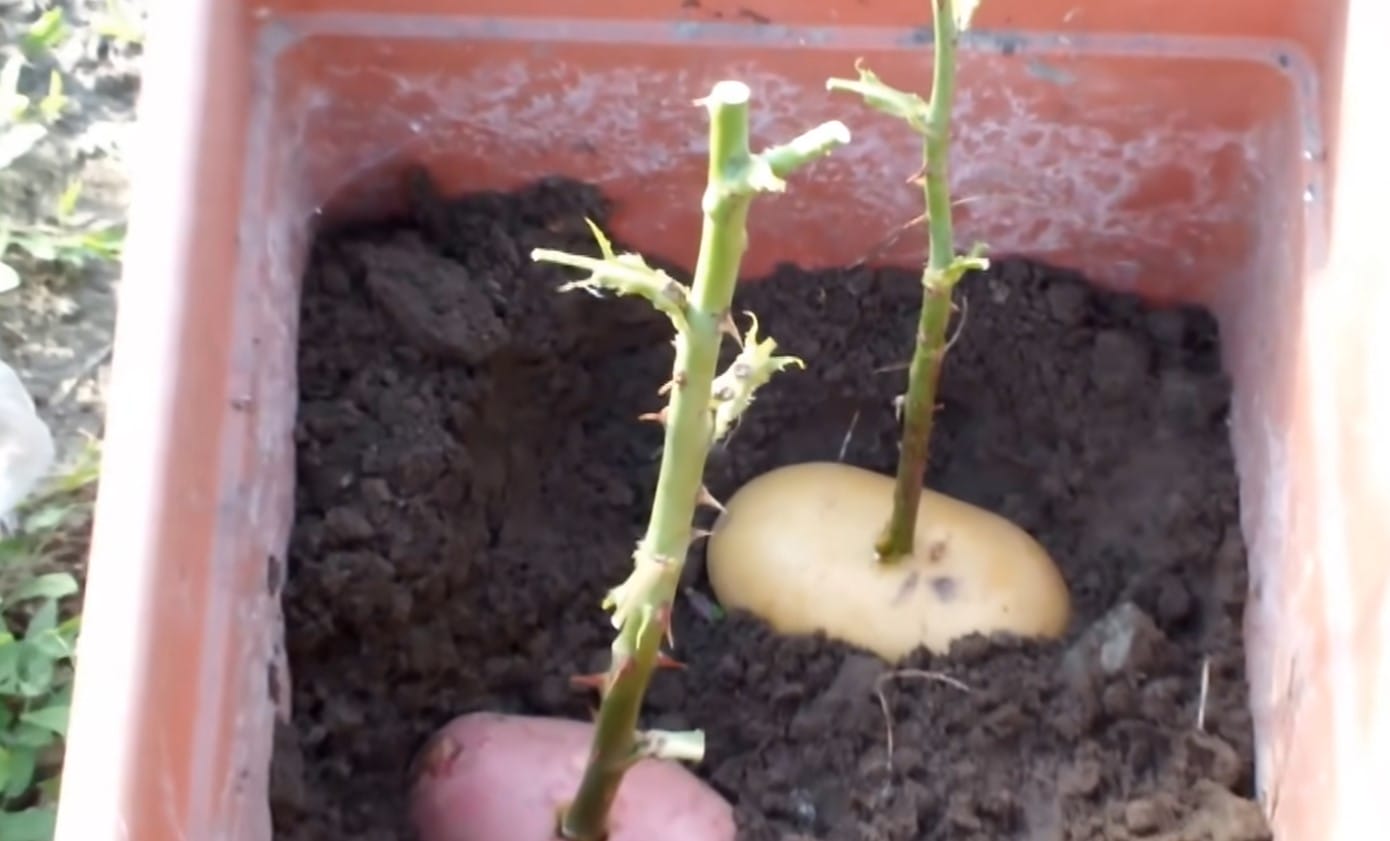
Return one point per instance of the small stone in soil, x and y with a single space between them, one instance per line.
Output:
1224 816
1147 815
1123 640
1212 757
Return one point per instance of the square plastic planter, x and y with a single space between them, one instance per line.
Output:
1229 154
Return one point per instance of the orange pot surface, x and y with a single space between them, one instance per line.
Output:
1223 153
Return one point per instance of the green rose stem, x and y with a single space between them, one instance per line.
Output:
701 409
943 269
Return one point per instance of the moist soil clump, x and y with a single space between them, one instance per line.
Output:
472 477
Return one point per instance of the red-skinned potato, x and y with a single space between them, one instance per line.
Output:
492 777
795 547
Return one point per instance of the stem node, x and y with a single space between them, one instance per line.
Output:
750 370
943 269
623 274
641 605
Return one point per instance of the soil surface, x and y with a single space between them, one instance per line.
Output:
472 477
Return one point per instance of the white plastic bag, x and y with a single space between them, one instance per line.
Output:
26 445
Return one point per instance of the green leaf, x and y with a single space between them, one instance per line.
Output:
54 645
36 672
61 696
9 666
67 202
54 719
46 519
53 585
47 32
29 669
876 94
51 244
39 247
30 736
70 626
52 105
44 619
20 773
13 551
106 242
37 824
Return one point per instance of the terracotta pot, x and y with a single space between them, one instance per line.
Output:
1224 153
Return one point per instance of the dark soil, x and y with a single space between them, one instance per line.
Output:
472 477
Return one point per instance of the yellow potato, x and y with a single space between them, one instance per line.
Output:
795 547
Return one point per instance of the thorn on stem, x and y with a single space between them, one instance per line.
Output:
891 239
677 381
598 681
664 615
729 326
665 661
707 499
964 310
655 417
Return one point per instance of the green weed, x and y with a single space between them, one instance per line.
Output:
38 635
